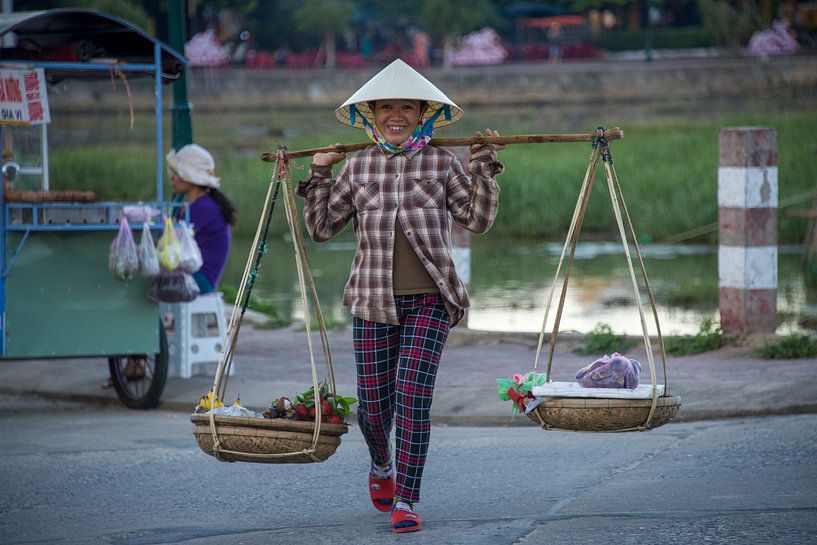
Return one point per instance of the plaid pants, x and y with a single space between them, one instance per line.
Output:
396 370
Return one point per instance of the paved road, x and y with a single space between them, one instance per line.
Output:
73 473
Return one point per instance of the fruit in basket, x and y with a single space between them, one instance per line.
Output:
208 402
271 411
330 405
334 409
285 408
334 419
326 407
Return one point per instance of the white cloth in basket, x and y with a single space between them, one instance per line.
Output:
573 389
235 410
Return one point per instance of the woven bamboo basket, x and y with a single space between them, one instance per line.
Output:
594 414
604 412
274 440
270 441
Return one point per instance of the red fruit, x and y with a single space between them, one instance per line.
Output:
301 410
334 419
312 411
326 408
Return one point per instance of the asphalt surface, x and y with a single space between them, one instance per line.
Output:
729 382
77 473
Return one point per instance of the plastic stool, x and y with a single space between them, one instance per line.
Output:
197 334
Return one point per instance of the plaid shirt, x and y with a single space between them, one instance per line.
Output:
424 190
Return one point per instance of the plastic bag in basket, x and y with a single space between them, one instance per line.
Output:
191 254
614 371
170 251
123 259
148 258
235 410
175 286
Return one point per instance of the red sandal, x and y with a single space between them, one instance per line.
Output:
382 493
405 521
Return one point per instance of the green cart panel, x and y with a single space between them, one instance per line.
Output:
61 301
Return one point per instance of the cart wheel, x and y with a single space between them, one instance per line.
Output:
140 380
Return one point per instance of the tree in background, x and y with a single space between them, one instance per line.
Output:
332 17
273 27
730 23
453 18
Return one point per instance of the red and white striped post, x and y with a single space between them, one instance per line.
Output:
747 230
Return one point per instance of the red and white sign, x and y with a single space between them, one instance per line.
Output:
23 97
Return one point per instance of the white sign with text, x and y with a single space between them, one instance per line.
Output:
23 97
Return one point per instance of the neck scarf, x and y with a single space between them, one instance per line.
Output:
418 138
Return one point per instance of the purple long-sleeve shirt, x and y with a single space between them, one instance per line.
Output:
212 235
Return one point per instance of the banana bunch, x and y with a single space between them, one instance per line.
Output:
208 402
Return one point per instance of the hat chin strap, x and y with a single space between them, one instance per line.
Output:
354 112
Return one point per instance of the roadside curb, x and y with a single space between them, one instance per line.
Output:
683 416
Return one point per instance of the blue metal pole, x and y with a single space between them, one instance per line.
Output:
88 66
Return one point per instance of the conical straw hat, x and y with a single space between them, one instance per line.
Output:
398 81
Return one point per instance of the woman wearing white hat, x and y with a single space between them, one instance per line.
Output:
211 212
404 292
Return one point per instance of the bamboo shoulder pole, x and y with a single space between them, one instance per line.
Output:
612 134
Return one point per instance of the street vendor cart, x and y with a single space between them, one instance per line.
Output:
57 297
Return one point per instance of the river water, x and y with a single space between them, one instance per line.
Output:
511 281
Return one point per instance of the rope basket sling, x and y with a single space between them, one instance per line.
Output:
613 413
276 440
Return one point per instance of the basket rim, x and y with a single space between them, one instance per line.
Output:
610 402
278 424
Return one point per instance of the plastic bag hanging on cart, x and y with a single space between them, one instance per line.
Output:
177 286
170 251
140 213
191 254
148 257
173 284
123 258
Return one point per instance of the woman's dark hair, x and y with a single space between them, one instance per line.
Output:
227 209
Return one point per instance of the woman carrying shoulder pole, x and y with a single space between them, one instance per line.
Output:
404 293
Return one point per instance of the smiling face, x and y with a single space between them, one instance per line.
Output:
396 119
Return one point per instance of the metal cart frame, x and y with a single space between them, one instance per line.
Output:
57 298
